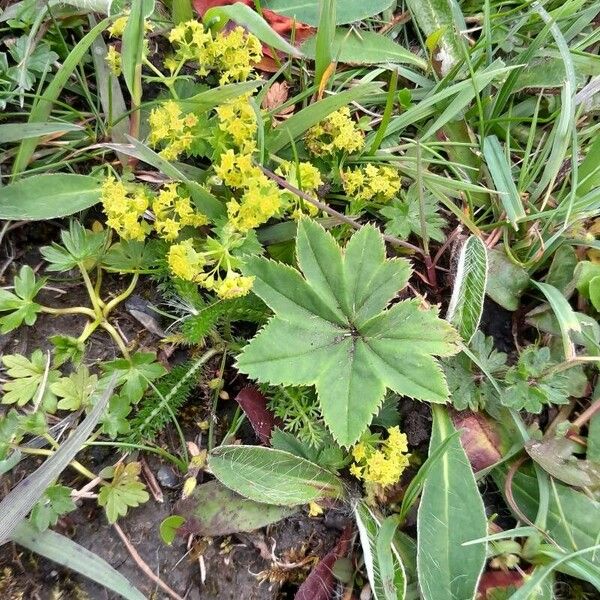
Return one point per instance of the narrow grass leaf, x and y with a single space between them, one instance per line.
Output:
364 48
41 197
133 42
451 512
20 500
214 96
15 132
71 555
565 315
468 294
246 17
304 119
43 107
324 54
503 180
272 476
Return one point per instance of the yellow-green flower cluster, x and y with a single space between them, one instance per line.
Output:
306 177
371 183
125 208
260 198
383 463
336 133
113 60
173 212
232 54
172 129
189 264
238 119
117 29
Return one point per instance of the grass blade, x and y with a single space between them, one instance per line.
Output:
71 555
503 180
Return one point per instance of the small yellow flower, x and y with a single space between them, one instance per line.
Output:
260 202
238 119
185 262
381 462
234 286
173 211
336 133
314 509
173 129
113 60
117 29
125 208
306 177
371 183
234 54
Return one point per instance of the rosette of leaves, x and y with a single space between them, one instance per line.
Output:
333 329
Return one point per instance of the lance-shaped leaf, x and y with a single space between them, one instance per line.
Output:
332 330
273 476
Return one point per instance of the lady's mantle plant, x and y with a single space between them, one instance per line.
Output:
332 329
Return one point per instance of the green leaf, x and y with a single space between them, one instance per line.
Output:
344 342
129 256
451 512
133 42
67 348
365 48
67 553
20 306
168 528
563 268
324 40
123 492
15 132
273 476
571 517
403 216
214 510
135 373
42 197
55 502
39 114
383 563
76 390
436 20
115 421
80 247
468 294
301 121
347 11
531 385
506 281
252 21
503 179
27 375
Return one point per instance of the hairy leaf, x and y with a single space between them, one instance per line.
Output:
451 512
343 341
272 476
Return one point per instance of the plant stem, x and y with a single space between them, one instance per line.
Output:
180 464
43 452
213 408
122 296
76 310
115 336
89 286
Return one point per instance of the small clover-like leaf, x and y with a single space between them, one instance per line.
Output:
55 502
81 247
26 377
331 329
76 390
123 492
20 306
135 373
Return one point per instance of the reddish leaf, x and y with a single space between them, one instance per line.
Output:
479 439
320 584
492 580
254 404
